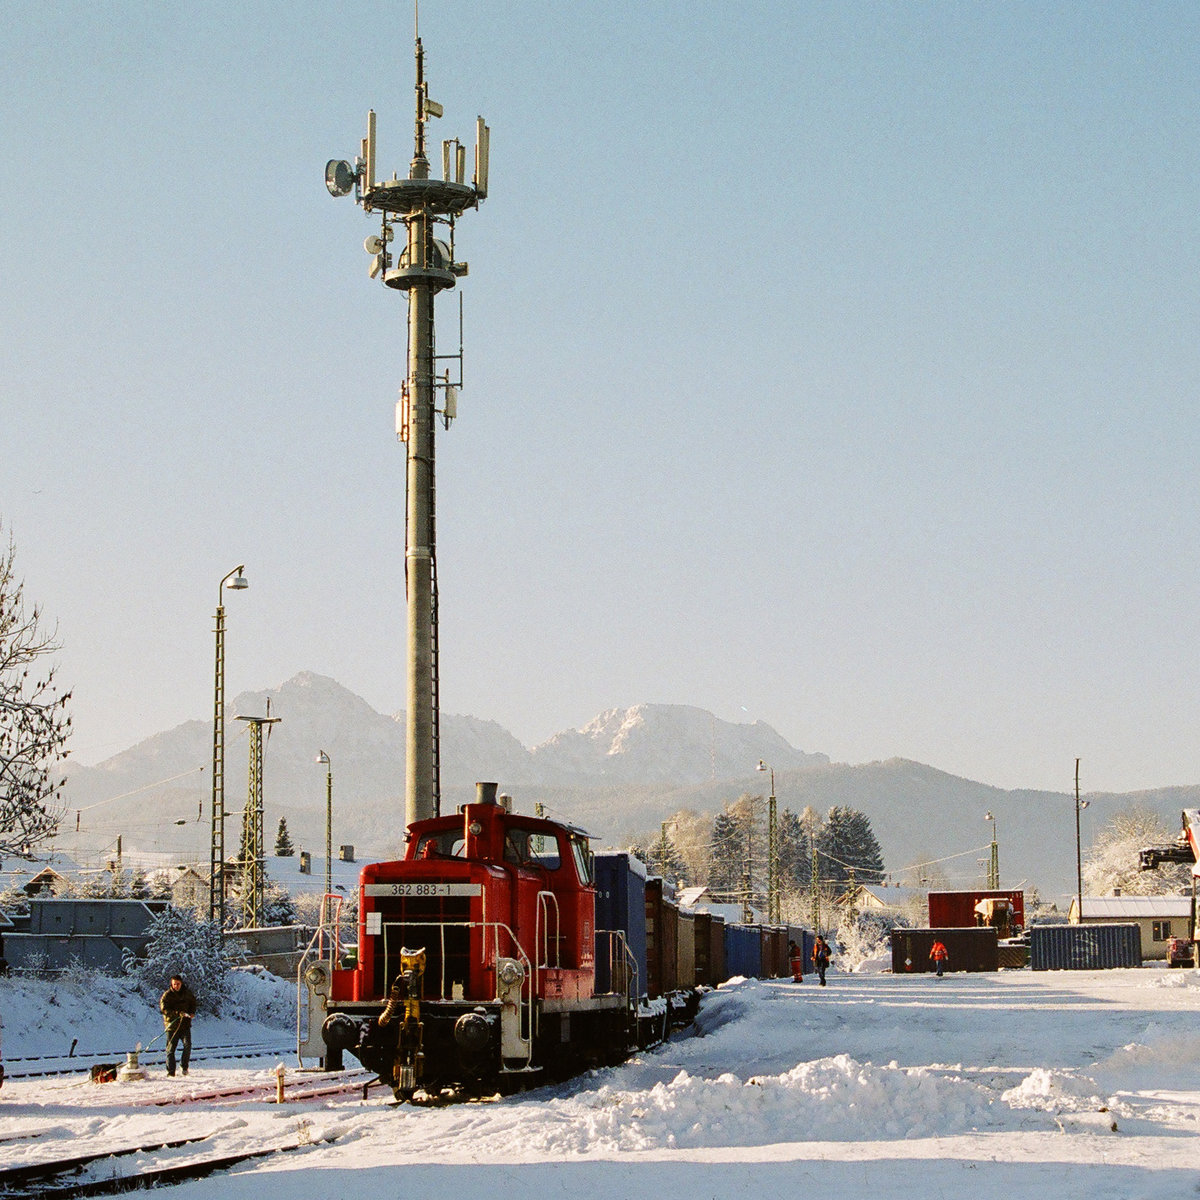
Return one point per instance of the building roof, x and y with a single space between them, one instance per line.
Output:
1132 908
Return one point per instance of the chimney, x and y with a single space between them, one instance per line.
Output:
485 793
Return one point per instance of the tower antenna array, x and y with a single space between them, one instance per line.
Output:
428 209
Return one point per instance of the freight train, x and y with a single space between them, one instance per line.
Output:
501 952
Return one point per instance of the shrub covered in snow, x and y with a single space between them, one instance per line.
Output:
863 939
183 944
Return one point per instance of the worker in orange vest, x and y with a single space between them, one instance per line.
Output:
939 954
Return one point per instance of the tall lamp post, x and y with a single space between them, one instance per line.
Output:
772 851
1079 806
325 761
994 862
236 581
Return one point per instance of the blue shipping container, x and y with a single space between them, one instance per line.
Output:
1084 947
620 905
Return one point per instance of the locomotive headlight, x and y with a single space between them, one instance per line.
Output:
316 975
510 972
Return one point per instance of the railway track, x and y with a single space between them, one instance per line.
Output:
46 1066
103 1172
346 1083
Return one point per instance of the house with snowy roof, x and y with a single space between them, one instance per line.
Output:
1159 918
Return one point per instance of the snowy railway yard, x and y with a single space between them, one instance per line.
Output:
1057 1084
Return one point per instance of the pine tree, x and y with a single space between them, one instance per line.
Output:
794 852
283 841
727 854
847 844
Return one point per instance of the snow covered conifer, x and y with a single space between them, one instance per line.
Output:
182 944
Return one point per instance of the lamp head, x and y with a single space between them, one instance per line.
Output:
238 582
323 758
987 816
762 766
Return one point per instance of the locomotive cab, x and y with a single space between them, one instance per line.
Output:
476 956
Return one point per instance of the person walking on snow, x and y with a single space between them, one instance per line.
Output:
939 954
178 1007
820 957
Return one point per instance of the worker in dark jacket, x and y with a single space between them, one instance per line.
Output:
820 957
178 1007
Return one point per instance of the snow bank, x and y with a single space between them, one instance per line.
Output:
832 1099
41 1017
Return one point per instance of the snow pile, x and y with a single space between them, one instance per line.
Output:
1054 1091
1168 1059
832 1099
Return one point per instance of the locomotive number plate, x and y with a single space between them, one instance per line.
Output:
423 889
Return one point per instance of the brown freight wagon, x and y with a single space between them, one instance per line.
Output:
662 933
774 952
716 952
968 950
685 950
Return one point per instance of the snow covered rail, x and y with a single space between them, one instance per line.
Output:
98 1174
353 1082
63 1064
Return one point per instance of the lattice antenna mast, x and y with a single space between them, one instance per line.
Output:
428 209
254 866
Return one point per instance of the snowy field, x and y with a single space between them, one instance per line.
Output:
1062 1084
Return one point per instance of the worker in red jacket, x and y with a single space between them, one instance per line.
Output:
939 954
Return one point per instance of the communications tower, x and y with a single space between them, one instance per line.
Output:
424 264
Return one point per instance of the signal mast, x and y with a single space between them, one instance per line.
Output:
427 208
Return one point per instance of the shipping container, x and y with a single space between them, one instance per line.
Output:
620 905
1084 947
743 951
956 910
968 949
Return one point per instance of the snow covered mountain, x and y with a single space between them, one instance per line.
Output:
620 775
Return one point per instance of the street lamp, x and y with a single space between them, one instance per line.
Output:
994 865
324 760
1079 806
772 851
236 581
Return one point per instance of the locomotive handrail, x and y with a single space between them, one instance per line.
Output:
541 936
617 938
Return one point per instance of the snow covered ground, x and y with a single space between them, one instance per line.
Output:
1063 1084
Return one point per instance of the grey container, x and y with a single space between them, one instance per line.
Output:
1084 947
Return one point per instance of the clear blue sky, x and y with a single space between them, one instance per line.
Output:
830 365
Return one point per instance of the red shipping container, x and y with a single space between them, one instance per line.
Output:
956 910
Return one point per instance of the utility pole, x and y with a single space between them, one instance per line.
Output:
427 208
813 878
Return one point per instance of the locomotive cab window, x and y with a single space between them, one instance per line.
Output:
525 847
447 844
583 859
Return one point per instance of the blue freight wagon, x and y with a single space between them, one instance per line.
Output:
743 951
620 904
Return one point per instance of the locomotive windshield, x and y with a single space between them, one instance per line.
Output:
447 844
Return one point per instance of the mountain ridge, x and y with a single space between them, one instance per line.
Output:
618 776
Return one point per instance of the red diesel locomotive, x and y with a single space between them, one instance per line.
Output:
476 966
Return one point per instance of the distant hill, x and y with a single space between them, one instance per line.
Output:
622 773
